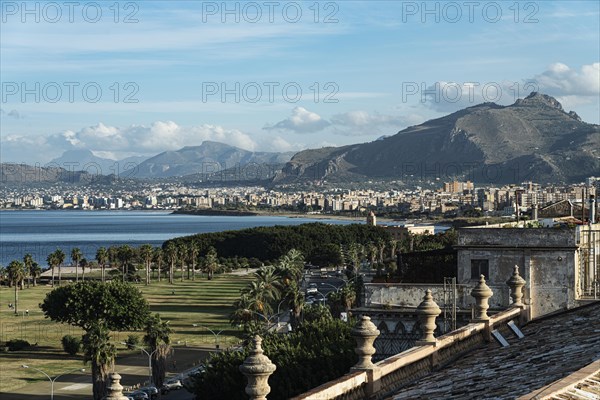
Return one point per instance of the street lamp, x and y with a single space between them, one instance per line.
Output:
268 319
216 335
52 380
336 288
149 358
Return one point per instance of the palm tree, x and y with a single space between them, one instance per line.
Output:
102 258
211 262
147 253
158 259
381 244
28 262
157 338
83 263
16 273
60 259
171 256
295 299
100 352
355 255
193 254
372 250
125 254
36 271
52 262
182 254
76 257
270 282
393 246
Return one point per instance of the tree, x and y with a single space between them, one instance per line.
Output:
171 256
52 262
84 264
36 271
158 260
193 249
102 258
76 256
158 339
182 254
28 262
117 307
16 273
125 255
147 253
60 259
211 262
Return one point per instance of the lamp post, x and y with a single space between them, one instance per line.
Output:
52 380
149 358
216 335
336 288
268 319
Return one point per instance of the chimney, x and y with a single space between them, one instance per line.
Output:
592 209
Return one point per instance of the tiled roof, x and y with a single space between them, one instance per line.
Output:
553 347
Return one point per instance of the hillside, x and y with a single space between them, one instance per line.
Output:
532 139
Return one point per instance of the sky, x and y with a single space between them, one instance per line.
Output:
135 78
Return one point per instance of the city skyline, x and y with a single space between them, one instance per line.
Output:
174 75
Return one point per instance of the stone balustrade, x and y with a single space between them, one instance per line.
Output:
378 380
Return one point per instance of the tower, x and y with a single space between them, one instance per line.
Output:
371 219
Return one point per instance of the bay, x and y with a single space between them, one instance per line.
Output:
41 232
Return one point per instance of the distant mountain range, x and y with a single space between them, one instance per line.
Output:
532 139
207 159
82 159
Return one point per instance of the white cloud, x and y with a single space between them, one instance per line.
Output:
351 123
561 80
301 121
359 122
120 141
570 86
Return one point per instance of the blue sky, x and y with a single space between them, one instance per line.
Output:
162 75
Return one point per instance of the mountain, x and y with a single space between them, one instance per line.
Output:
206 159
28 175
85 160
532 139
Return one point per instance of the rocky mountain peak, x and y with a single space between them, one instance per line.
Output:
536 99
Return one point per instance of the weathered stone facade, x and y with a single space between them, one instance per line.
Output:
550 260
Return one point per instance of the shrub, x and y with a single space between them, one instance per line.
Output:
71 344
314 354
17 344
132 341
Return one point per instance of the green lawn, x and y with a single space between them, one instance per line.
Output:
203 302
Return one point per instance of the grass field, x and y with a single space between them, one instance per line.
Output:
203 302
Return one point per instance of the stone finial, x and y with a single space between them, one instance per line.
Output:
257 368
365 332
516 283
115 390
427 312
482 293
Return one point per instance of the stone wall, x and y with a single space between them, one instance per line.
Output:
548 260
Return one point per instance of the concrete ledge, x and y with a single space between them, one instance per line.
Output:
338 387
352 382
565 384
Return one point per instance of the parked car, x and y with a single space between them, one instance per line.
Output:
171 384
312 288
151 391
138 395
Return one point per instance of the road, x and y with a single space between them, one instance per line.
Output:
133 369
